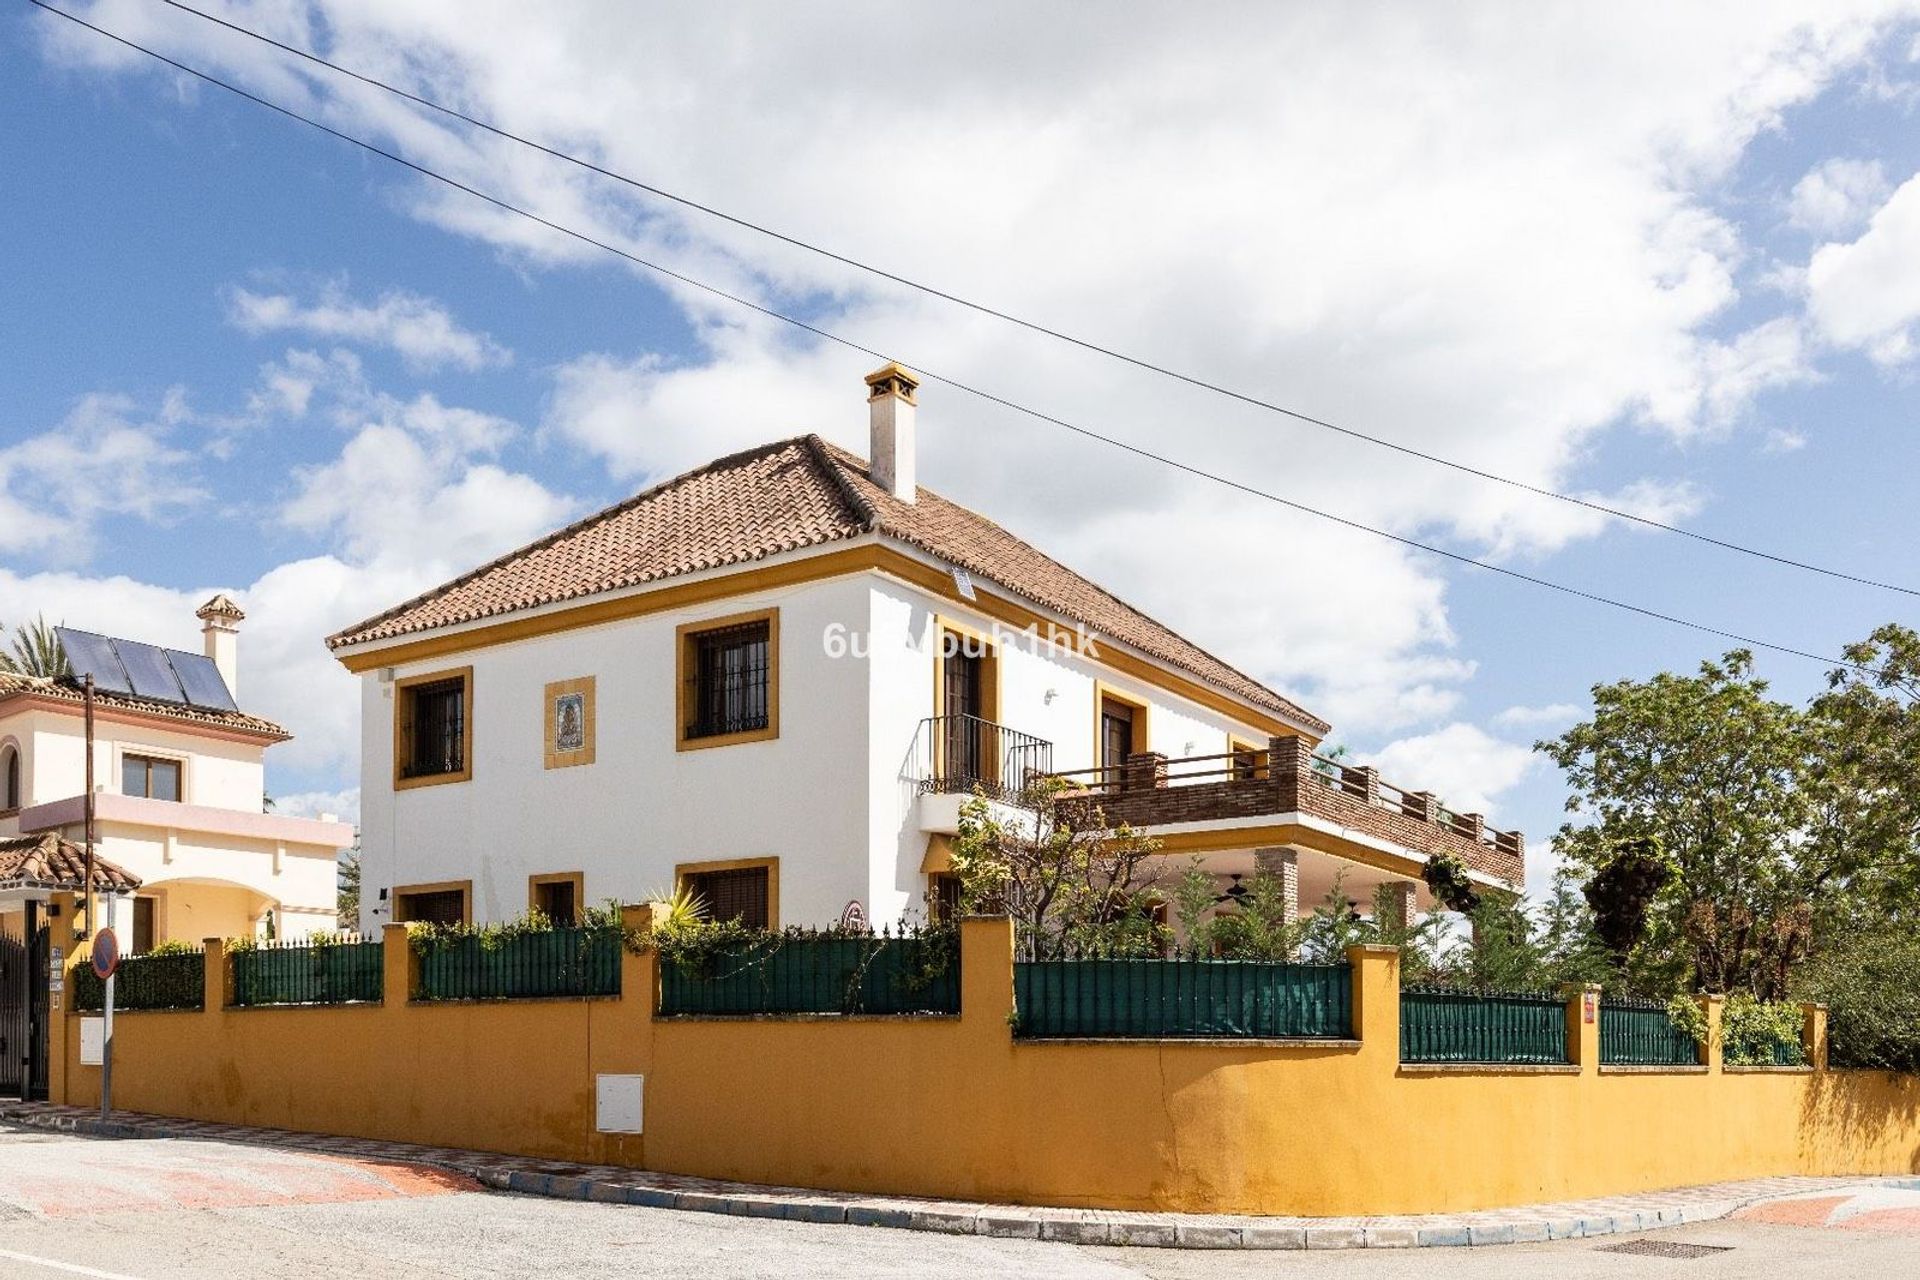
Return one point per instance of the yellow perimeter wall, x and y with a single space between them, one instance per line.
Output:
955 1107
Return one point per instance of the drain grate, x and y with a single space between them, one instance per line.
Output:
1665 1249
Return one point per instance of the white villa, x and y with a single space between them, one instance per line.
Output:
775 679
179 791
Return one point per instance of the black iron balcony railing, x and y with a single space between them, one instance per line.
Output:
965 754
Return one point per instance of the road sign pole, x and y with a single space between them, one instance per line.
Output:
106 1020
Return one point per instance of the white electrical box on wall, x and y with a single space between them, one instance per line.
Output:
619 1102
93 1041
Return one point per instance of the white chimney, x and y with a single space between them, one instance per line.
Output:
890 406
221 632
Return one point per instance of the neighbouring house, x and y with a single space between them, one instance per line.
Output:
179 792
776 678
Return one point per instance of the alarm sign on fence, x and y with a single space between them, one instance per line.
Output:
106 954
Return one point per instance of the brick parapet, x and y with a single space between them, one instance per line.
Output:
1349 798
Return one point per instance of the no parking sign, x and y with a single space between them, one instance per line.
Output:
106 954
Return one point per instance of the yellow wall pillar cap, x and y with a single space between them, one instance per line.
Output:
1372 949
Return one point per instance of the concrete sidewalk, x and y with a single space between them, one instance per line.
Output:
612 1185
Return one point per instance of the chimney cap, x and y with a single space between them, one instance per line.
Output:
221 607
893 376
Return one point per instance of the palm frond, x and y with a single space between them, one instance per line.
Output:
36 651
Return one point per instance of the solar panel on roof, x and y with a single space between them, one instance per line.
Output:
204 684
92 655
151 673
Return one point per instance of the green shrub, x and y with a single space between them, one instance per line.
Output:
1870 983
424 937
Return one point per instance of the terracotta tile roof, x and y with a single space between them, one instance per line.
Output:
780 497
13 685
48 862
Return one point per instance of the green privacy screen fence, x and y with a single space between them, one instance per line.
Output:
1761 1049
1182 997
545 962
797 972
333 972
1638 1033
1447 1025
171 980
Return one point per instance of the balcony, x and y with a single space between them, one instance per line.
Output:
1289 780
958 755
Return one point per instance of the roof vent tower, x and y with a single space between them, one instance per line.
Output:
890 408
221 631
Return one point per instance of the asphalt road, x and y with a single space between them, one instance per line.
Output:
156 1210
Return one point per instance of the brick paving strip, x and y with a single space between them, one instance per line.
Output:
613 1185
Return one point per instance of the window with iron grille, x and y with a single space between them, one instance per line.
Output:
555 900
729 680
737 894
441 906
944 889
436 728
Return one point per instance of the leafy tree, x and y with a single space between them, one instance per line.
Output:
1623 891
1709 767
346 897
36 651
1261 924
1066 886
1870 982
1452 887
1863 759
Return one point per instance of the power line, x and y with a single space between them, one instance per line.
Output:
1139 362
956 384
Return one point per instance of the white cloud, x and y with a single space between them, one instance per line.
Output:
286 673
642 417
1467 767
413 487
1553 715
104 458
1783 440
343 805
1866 294
1413 232
1836 198
419 329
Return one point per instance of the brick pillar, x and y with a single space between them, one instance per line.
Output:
1477 822
217 993
1145 771
986 977
1813 1034
1711 1049
1376 1003
1583 1025
1288 759
639 974
1284 864
1429 806
401 966
1399 903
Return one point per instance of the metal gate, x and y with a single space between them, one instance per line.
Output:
24 1015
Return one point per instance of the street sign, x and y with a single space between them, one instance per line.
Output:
106 953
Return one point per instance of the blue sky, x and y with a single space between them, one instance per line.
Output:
245 356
